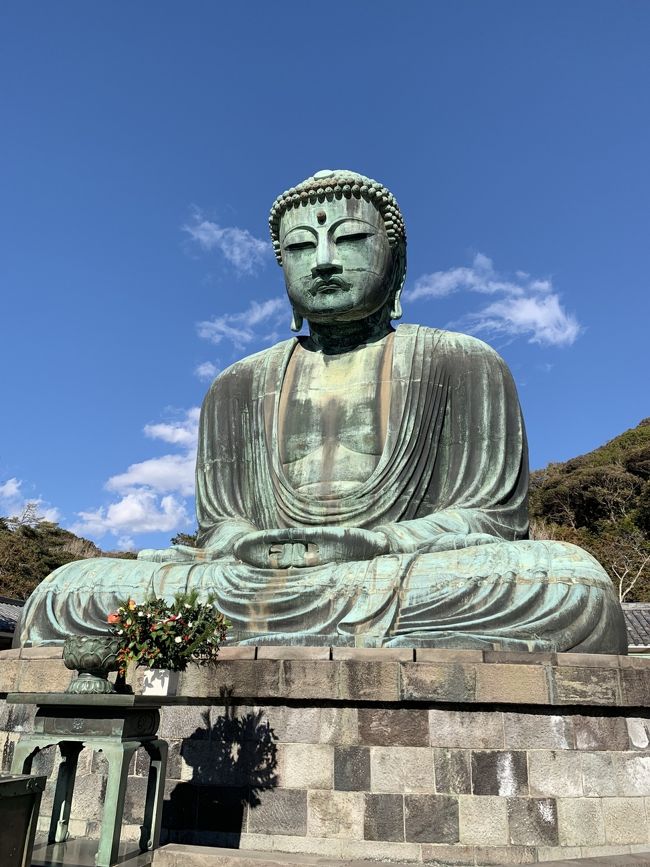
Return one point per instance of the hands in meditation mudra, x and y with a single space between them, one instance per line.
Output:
362 485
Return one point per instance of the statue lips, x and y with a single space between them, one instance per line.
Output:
329 284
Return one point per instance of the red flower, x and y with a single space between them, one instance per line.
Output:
113 618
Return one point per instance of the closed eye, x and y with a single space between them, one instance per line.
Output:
300 245
356 236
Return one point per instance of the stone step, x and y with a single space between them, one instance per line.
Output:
180 855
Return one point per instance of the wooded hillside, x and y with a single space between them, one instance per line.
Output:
601 501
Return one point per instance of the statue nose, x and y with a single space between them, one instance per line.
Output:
325 269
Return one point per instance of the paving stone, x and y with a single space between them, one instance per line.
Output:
452 771
385 727
558 853
598 777
573 685
368 681
502 855
601 733
483 821
401 769
521 684
438 682
280 811
466 729
499 772
352 769
608 852
625 820
306 766
336 814
373 851
384 817
534 731
532 821
555 773
431 818
441 855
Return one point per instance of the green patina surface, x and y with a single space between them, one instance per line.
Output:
363 485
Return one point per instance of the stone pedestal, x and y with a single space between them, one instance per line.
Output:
434 756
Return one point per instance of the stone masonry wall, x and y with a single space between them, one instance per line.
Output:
294 750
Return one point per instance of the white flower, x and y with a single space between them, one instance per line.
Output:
178 639
187 606
191 623
120 632
140 613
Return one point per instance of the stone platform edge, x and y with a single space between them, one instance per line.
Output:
382 675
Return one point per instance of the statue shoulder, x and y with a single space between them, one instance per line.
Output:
454 343
237 376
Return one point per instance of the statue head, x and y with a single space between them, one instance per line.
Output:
340 240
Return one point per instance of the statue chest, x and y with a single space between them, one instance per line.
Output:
332 417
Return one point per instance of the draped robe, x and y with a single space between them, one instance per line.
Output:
449 491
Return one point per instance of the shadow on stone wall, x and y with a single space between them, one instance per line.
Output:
233 759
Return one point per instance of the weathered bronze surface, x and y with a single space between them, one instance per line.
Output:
363 485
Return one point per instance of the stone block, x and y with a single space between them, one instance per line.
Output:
179 806
401 769
232 678
293 724
466 729
374 654
512 683
523 657
277 846
558 853
610 851
237 651
635 686
532 821
185 721
580 821
352 769
292 651
385 727
374 851
600 733
88 797
632 773
309 678
384 818
11 653
338 725
588 660
336 814
280 811
42 675
134 800
536 731
556 773
9 669
574 685
499 772
437 681
42 651
638 730
452 771
441 855
625 820
447 655
306 766
368 681
431 819
483 821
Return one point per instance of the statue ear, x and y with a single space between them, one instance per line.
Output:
399 276
296 320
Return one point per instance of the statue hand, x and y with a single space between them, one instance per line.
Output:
299 547
176 554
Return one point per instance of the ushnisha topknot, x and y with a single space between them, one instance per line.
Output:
331 184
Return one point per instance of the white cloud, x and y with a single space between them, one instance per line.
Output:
526 307
14 503
241 329
151 492
244 251
206 370
140 511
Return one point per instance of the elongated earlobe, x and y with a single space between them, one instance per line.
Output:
396 310
296 321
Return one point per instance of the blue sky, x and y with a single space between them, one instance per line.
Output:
143 144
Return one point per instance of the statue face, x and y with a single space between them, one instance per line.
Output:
336 259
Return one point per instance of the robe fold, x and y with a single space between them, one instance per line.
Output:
449 492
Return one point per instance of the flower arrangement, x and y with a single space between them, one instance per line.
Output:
159 634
